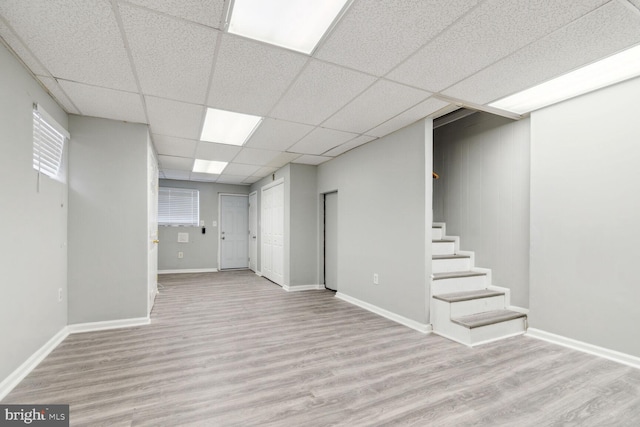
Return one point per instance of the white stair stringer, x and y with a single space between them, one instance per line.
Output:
465 307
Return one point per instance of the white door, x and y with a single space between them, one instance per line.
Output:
253 231
234 231
152 223
331 241
272 235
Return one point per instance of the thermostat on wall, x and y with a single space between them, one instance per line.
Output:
183 237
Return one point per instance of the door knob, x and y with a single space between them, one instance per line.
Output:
156 241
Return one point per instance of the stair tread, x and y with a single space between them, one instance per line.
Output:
436 226
452 256
468 295
487 318
456 274
443 241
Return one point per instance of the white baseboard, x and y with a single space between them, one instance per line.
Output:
108 324
34 360
425 328
189 270
302 288
23 370
258 273
606 353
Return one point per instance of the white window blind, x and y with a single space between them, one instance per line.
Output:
178 206
48 143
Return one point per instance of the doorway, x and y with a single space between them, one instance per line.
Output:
234 231
253 231
331 241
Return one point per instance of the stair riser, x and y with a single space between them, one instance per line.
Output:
475 306
459 284
443 248
451 265
498 331
436 233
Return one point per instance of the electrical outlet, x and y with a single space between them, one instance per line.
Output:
59 294
180 255
375 278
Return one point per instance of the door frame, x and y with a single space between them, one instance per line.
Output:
220 226
322 250
257 230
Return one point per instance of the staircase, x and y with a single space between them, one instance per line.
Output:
464 306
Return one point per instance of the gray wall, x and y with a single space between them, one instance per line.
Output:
483 194
202 250
304 225
108 237
585 211
33 252
384 205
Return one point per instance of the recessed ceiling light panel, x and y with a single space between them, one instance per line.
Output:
292 24
227 127
611 70
209 166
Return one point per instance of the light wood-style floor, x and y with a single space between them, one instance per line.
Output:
233 349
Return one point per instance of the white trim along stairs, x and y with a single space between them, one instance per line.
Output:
465 307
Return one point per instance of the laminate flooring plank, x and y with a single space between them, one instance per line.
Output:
233 349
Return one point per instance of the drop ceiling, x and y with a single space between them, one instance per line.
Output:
383 66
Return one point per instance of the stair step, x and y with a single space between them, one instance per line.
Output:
452 256
443 240
487 318
456 274
468 295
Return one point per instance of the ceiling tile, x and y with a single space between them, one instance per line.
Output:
490 32
609 29
21 50
264 171
172 146
408 117
240 169
382 100
254 156
321 140
282 159
232 179
320 91
205 177
350 145
56 91
106 103
173 58
74 40
311 160
274 134
176 174
251 77
174 118
206 12
636 3
374 36
176 163
214 151
252 179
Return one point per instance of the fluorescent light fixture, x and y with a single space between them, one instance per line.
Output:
209 166
227 127
292 24
614 69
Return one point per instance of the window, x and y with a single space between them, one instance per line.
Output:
178 206
48 143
